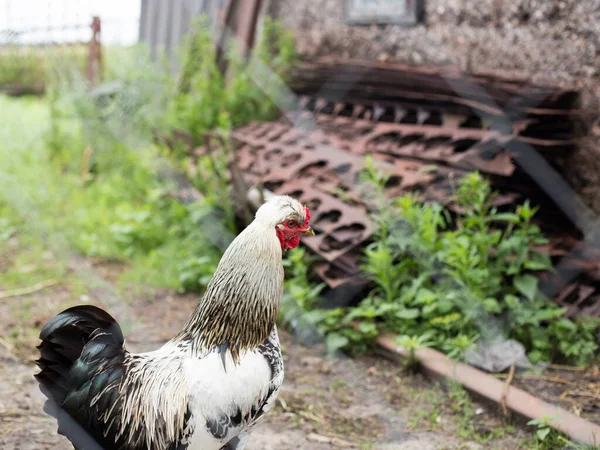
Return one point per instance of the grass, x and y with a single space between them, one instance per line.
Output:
117 216
31 69
449 408
49 215
21 130
28 68
81 174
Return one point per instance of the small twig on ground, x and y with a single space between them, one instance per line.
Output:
283 404
329 440
537 377
7 345
309 416
19 413
548 378
578 394
6 430
511 374
568 368
28 290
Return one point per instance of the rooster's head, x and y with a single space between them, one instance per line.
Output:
241 303
289 218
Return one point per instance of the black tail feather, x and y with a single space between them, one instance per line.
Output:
63 339
81 350
79 437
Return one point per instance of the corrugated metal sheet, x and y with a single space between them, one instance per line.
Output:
163 23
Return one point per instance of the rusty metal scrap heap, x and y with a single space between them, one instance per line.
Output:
423 134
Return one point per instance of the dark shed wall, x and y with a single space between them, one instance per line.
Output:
558 38
554 41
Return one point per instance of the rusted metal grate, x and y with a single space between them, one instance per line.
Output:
322 169
423 87
424 136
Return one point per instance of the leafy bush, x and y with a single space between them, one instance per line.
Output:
195 273
204 100
104 163
454 282
28 69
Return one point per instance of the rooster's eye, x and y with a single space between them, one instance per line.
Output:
292 223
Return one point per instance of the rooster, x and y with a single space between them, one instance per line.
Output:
206 388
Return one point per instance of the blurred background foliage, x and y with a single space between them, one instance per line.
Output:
84 165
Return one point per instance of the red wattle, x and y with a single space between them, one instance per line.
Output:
291 239
287 243
281 237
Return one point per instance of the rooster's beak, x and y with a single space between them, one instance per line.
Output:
309 231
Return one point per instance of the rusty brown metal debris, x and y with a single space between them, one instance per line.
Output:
322 168
410 119
239 18
424 87
423 136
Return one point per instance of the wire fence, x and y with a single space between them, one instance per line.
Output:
163 25
58 30
67 21
40 36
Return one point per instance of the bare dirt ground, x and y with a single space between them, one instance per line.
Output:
364 403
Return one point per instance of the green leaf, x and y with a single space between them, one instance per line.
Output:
526 285
359 312
538 261
429 309
447 319
492 306
505 217
543 433
511 301
408 313
541 343
566 324
367 327
385 308
315 316
425 296
336 341
536 356
547 314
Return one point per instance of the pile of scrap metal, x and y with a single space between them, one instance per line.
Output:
425 135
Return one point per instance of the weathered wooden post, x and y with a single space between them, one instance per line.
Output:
94 69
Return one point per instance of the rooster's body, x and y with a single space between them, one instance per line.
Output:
207 388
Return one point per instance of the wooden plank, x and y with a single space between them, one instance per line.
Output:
517 400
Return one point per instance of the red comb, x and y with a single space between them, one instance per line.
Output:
307 214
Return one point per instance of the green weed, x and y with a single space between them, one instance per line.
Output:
29 69
547 438
92 174
453 281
